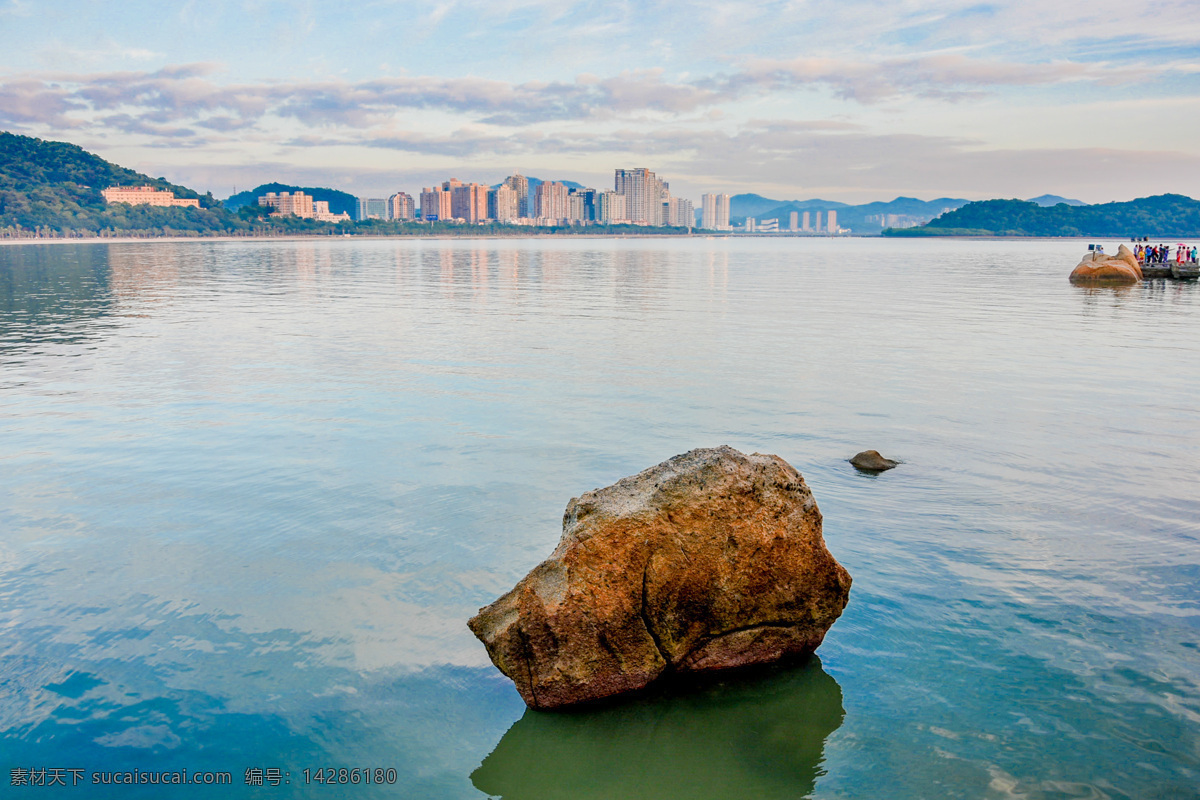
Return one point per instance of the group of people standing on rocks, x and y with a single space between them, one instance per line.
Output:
1161 254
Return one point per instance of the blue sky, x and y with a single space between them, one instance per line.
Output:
854 100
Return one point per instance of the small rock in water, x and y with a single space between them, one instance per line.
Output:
871 461
708 561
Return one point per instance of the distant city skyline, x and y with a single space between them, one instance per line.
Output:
851 102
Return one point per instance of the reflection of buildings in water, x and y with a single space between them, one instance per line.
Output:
636 274
446 260
305 264
552 267
159 271
760 736
718 271
404 259
508 267
429 264
457 269
461 269
146 273
478 261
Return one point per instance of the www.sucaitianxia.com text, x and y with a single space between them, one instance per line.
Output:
31 777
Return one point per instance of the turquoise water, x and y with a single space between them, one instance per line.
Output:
250 493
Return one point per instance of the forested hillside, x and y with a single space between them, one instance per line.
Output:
56 186
1165 215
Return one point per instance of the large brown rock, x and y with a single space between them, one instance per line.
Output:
1121 268
708 561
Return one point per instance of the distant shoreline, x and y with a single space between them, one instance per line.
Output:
518 237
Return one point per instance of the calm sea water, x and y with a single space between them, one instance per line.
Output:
250 493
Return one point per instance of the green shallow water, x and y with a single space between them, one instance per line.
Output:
250 493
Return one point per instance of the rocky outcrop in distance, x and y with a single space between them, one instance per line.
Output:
709 561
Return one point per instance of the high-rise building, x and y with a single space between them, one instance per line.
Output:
401 206
643 195
300 205
807 223
714 212
588 199
749 225
435 204
284 203
371 208
679 213
794 221
833 226
520 184
503 203
818 228
576 208
468 201
550 201
610 208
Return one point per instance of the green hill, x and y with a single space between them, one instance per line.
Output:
57 185
1165 215
339 202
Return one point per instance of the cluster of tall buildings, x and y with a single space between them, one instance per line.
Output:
301 205
638 197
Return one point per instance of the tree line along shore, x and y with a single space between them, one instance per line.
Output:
52 190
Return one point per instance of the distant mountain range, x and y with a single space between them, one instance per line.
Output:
1049 200
1165 215
862 219
865 218
757 206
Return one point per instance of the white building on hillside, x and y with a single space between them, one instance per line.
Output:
146 196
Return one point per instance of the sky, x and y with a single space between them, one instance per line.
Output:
848 100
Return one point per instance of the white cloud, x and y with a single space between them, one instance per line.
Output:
191 94
578 84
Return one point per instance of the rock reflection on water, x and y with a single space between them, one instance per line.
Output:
756 736
1099 292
